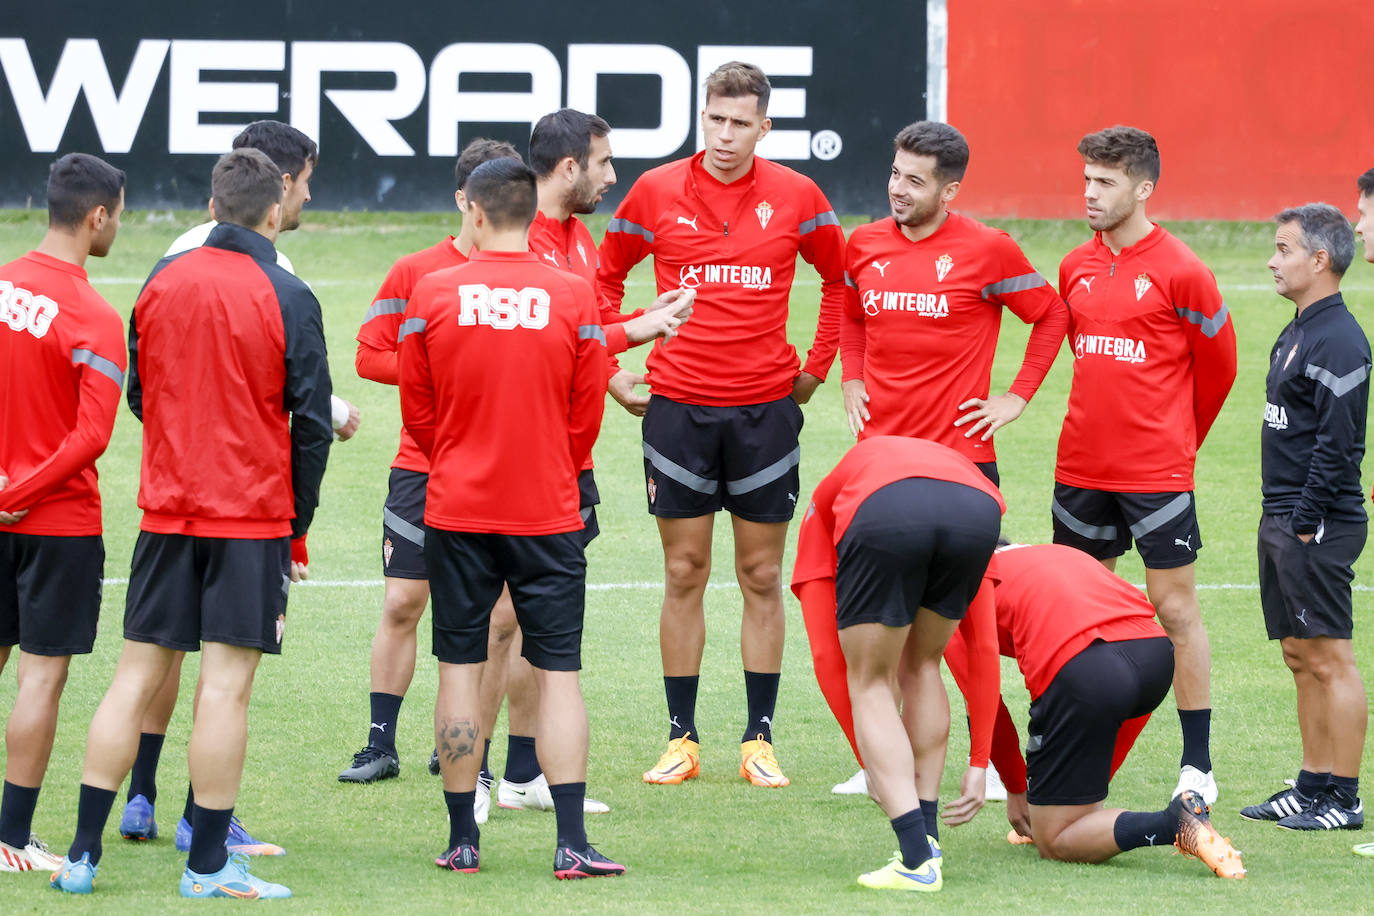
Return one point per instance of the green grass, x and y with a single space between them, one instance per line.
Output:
714 844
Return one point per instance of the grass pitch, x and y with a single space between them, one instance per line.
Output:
714 844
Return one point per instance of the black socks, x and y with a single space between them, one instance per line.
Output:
209 830
143 777
92 811
761 691
1197 735
911 838
522 763
16 814
567 807
382 732
682 706
462 823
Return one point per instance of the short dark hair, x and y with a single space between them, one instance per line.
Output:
244 186
505 189
566 132
1366 183
1324 228
933 138
286 146
1128 148
77 184
477 152
736 79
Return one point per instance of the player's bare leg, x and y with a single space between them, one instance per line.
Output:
1332 706
681 640
561 736
32 723
392 668
1075 833
873 653
458 738
112 741
138 821
219 737
925 711
758 569
1173 592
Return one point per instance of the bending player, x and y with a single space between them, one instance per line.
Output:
1155 358
62 362
223 504
894 546
501 504
721 428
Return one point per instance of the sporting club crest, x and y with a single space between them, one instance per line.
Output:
943 264
1142 286
764 211
387 550
582 251
281 627
1291 353
653 491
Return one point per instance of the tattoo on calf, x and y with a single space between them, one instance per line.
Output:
457 739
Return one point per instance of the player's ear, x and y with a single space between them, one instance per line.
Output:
1321 260
950 191
460 200
211 207
286 183
1144 190
765 127
568 167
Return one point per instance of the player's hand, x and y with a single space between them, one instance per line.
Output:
622 388
972 792
349 426
992 413
1018 813
663 318
804 386
299 571
9 518
855 404
1305 538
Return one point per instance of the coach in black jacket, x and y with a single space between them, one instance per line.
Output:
1314 522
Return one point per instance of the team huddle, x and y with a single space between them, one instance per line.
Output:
899 560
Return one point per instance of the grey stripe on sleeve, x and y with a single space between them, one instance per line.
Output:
677 472
765 476
1210 326
385 307
849 281
99 363
1013 285
1080 527
623 225
410 326
828 218
591 332
1339 385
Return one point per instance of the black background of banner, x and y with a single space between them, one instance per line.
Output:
868 80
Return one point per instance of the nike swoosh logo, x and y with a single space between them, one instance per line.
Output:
762 772
521 792
675 767
918 877
250 894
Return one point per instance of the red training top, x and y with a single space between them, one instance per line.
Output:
503 382
62 364
1053 601
228 372
377 358
1154 358
736 244
921 322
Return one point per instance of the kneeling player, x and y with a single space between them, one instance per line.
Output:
501 504
1096 664
896 540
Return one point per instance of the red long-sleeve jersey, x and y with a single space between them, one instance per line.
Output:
503 382
737 246
568 246
1154 358
62 364
1053 601
378 352
229 374
921 321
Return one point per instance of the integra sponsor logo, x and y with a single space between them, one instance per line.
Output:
745 276
1122 349
927 305
1275 417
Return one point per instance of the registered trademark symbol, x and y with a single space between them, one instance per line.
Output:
826 144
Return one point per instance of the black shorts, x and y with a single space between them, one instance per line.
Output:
1073 725
1305 588
989 469
50 592
1102 523
589 497
547 575
915 543
699 459
403 525
185 590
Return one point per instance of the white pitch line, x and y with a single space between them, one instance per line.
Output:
642 586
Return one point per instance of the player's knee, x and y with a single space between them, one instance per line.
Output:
762 576
402 611
41 683
687 569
